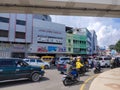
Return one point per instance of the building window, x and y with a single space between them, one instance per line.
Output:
69 41
4 19
69 49
20 35
3 33
20 22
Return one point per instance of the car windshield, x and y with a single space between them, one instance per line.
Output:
63 59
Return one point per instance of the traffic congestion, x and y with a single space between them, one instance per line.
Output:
73 69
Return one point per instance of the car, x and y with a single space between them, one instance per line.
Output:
63 60
12 69
37 62
61 64
104 61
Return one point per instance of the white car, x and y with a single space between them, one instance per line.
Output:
37 62
63 60
104 61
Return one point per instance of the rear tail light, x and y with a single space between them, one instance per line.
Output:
65 66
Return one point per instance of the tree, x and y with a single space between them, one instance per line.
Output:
117 46
112 47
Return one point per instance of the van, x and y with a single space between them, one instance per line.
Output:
37 62
12 69
47 58
104 61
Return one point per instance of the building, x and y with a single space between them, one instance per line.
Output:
78 41
48 38
94 42
69 40
84 38
14 34
26 34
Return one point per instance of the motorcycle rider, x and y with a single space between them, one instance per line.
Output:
79 65
71 70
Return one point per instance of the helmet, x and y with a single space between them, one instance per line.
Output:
78 59
68 62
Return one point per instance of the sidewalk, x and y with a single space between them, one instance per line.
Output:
109 80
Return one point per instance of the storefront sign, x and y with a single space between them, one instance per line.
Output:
42 49
18 48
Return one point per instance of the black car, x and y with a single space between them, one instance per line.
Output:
16 69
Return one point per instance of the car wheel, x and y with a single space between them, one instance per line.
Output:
35 77
106 65
46 66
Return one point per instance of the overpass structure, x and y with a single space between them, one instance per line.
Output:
100 8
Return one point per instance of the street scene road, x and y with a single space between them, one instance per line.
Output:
51 81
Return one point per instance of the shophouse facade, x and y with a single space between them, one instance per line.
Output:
82 41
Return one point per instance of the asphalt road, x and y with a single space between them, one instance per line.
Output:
51 81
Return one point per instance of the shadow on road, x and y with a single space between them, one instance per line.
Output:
20 82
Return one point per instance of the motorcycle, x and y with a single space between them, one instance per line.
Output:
69 79
82 71
96 70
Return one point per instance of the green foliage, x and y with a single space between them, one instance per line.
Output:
112 47
117 46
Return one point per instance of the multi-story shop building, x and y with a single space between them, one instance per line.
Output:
77 41
69 40
82 41
15 34
94 42
48 38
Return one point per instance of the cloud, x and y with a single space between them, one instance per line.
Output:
107 29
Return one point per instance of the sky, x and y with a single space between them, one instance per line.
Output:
107 29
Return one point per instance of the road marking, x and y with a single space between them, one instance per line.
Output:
86 81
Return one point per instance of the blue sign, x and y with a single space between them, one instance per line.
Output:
52 48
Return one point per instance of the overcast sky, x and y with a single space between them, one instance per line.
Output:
107 29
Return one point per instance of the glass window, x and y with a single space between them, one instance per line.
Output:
65 58
3 33
69 41
27 60
33 60
20 35
69 49
3 19
6 63
20 22
39 61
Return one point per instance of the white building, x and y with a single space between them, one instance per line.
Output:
48 38
15 34
24 34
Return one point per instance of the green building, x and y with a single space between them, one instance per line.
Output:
79 44
69 43
76 44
